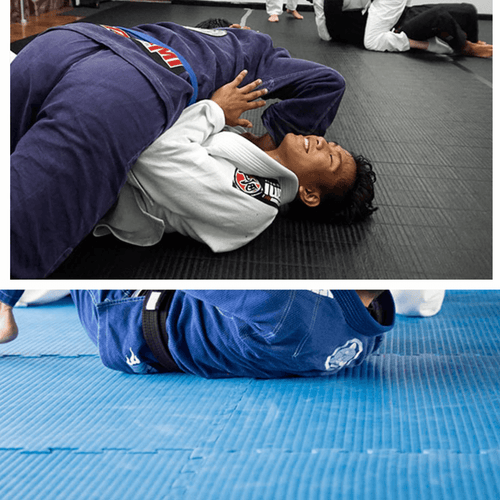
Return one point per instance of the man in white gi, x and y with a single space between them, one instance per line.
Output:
384 25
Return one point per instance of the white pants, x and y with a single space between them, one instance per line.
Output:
276 6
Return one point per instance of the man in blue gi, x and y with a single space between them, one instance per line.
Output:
87 100
230 333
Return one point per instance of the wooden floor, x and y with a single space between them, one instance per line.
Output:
40 23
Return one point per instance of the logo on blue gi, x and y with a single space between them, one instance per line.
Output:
139 366
217 32
345 355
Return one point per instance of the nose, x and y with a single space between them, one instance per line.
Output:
321 142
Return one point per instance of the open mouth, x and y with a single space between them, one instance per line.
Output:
306 144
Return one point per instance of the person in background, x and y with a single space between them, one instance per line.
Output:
274 9
394 26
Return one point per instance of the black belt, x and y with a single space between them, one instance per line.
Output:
154 325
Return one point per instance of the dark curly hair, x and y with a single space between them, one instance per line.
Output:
353 206
214 22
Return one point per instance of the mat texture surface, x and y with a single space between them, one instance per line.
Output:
424 121
420 419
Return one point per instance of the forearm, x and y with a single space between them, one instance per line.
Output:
310 96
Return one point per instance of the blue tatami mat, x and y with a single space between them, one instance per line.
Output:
420 419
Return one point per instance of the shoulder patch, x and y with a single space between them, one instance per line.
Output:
344 355
210 32
267 191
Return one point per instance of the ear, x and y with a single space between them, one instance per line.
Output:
311 197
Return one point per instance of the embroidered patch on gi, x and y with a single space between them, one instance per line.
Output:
266 190
162 55
139 366
210 32
344 356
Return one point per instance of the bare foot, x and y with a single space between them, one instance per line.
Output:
477 49
8 327
274 18
295 14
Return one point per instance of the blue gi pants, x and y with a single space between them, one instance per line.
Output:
10 297
235 333
70 115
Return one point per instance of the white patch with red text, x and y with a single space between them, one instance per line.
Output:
266 190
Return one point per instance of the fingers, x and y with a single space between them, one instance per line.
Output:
240 27
250 86
239 78
245 123
254 105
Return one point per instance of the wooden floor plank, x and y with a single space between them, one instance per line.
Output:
37 24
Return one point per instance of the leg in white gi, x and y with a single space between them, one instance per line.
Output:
274 9
418 302
291 8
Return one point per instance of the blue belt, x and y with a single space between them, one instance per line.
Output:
148 38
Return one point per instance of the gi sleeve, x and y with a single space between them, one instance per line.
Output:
310 96
382 17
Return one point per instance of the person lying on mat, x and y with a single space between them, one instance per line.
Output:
87 100
231 333
391 25
222 188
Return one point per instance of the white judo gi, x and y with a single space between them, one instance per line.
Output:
382 16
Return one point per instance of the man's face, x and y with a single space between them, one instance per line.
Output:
316 162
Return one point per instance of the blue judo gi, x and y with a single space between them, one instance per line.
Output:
234 333
86 100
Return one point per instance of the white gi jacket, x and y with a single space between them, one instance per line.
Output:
196 179
382 16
